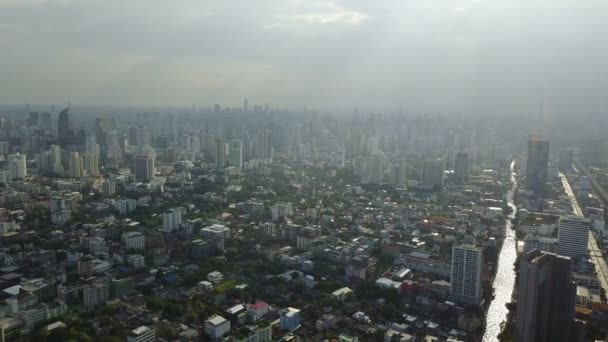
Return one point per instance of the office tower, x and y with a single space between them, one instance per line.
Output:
235 153
461 168
262 144
573 236
91 146
143 167
91 164
537 163
76 165
398 173
220 154
432 173
113 148
17 165
245 105
546 298
63 128
465 285
55 159
102 126
142 136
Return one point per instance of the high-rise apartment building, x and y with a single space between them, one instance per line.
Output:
573 236
546 298
17 165
432 173
465 285
143 166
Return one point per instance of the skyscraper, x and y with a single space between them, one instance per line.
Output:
143 166
546 298
63 128
17 165
461 168
537 163
235 153
573 236
432 173
76 167
91 164
262 144
220 153
465 285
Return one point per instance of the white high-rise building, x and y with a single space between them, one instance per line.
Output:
17 165
172 219
465 285
573 236
220 154
134 240
76 165
55 159
91 164
369 169
235 153
432 173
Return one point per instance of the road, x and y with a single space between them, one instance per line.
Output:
594 252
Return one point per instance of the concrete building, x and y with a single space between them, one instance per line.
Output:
143 167
134 240
290 319
172 219
432 173
280 210
216 327
546 298
142 334
125 205
17 165
465 285
573 236
95 294
75 165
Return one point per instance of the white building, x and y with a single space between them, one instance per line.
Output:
96 294
17 165
125 206
172 219
216 327
91 164
217 233
76 165
573 236
280 210
142 334
369 169
108 188
465 285
134 240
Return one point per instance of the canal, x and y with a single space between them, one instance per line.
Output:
505 276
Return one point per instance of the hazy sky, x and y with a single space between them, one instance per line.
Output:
436 55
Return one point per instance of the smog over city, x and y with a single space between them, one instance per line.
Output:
303 170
